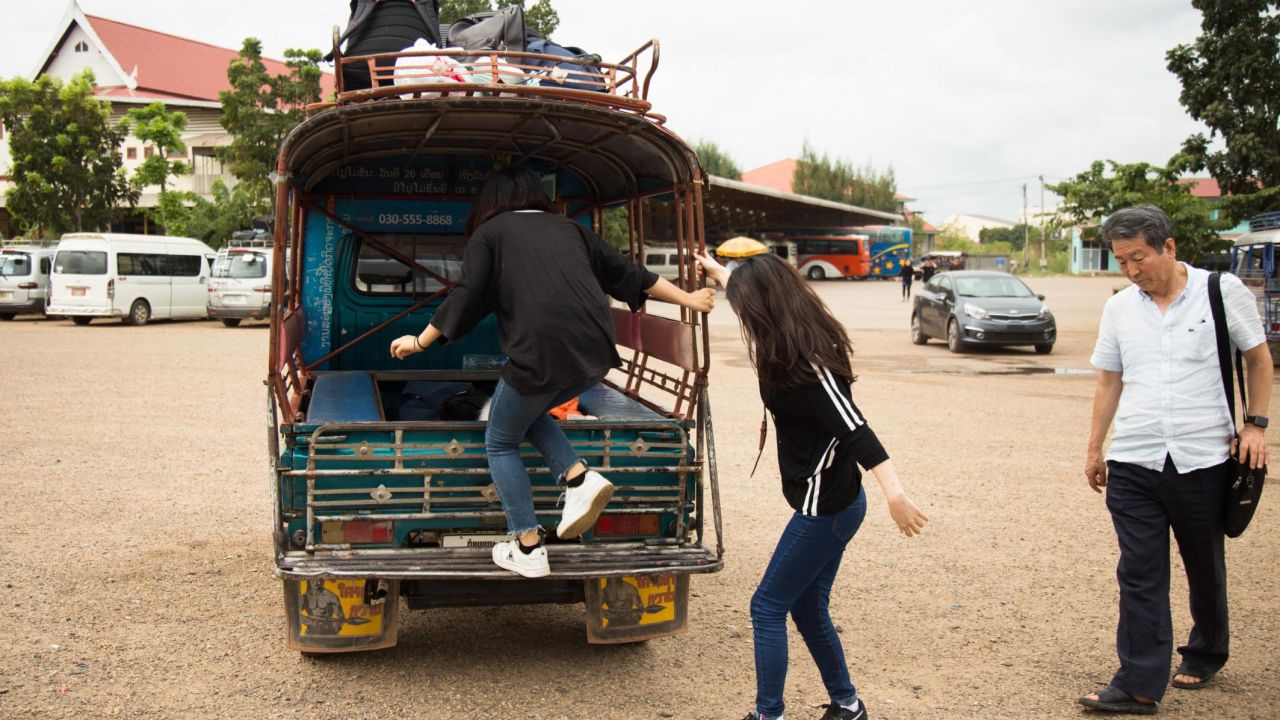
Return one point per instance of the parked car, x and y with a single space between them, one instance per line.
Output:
24 279
241 284
973 308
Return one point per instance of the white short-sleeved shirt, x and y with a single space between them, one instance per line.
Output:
1172 401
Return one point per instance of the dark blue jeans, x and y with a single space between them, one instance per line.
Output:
514 418
798 581
1144 505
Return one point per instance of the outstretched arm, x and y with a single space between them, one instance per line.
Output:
700 300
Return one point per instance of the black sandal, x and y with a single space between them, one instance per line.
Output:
1185 668
1112 699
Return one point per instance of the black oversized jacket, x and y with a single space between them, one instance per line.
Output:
545 277
822 438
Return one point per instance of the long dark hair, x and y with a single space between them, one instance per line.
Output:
787 327
511 188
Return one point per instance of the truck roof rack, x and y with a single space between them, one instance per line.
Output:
257 237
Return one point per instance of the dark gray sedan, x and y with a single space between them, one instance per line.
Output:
974 307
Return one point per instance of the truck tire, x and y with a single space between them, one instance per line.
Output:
81 319
231 322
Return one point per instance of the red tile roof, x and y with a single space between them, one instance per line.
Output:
775 175
1203 187
174 67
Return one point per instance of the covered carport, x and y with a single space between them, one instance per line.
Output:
732 207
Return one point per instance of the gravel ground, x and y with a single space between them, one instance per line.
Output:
135 561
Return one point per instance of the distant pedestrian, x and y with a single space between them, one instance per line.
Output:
907 274
1166 465
801 355
927 269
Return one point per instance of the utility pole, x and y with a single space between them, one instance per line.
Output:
1025 238
1044 262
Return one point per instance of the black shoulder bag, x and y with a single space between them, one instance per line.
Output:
1244 485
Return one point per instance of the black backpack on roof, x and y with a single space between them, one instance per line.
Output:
385 26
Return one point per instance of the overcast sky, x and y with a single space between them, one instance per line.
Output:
965 100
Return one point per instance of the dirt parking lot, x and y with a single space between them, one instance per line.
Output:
136 570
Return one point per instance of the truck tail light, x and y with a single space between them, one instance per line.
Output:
28 286
627 525
111 289
357 532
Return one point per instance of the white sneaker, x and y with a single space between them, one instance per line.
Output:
582 505
508 556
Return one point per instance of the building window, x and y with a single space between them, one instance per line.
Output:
148 151
82 46
176 155
131 153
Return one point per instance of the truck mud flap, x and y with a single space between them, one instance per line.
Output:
634 608
332 615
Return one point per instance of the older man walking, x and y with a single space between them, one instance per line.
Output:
1166 465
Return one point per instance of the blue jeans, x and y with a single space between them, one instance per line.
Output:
514 417
798 581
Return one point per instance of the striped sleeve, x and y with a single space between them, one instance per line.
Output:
835 414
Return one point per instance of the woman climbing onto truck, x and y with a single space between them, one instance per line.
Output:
545 277
801 355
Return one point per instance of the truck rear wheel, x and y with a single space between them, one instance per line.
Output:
81 320
231 322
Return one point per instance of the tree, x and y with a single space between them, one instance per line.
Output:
162 130
541 18
1013 236
821 177
1092 195
260 110
715 161
189 215
67 169
1231 82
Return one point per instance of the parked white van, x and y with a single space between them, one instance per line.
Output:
135 277
241 284
24 278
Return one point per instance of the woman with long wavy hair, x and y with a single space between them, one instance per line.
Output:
801 355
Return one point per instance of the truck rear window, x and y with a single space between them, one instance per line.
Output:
15 264
80 262
382 273
242 266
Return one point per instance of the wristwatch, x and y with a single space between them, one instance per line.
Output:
1259 421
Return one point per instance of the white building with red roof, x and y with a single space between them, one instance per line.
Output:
134 67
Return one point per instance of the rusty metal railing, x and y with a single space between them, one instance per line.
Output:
468 73
364 490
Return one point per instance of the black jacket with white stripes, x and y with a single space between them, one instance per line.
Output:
822 438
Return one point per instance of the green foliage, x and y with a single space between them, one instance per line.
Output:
1231 82
1093 195
189 215
67 169
716 161
162 130
616 227
260 110
838 180
540 17
1013 236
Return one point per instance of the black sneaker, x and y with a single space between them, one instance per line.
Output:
836 712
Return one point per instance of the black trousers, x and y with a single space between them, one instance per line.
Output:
1144 505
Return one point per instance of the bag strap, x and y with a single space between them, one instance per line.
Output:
764 433
1224 347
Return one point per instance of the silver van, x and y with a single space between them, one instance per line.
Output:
24 279
241 284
